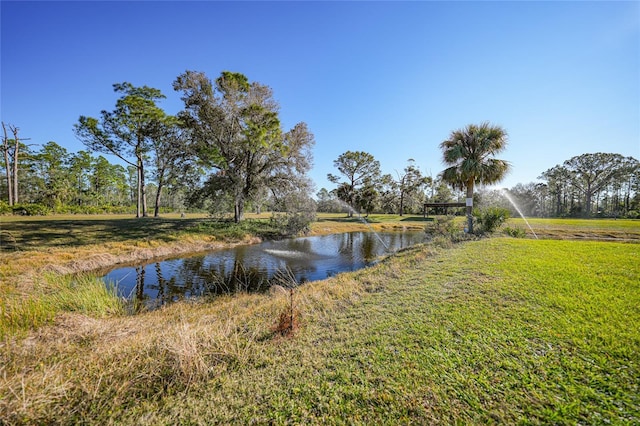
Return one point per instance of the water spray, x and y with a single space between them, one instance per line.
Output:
363 220
506 195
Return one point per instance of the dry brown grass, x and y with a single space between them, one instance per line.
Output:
82 363
194 361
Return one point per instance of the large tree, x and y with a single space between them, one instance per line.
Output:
127 132
360 169
236 131
171 159
591 173
469 154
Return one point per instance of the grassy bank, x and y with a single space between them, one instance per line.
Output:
36 253
502 330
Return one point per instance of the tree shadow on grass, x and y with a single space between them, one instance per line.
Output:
417 219
39 234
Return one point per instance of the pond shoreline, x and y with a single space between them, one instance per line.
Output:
255 267
26 266
106 256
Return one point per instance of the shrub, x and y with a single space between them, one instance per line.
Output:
443 231
293 223
633 214
31 209
5 208
515 232
491 219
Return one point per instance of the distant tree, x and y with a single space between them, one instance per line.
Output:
358 168
367 197
132 182
80 165
11 148
126 132
527 197
236 131
591 173
326 202
51 165
558 183
469 154
387 198
409 184
630 178
443 193
108 182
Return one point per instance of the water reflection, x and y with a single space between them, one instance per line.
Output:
255 268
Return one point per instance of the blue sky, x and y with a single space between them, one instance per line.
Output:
390 78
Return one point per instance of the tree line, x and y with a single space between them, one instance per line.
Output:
588 185
225 148
226 151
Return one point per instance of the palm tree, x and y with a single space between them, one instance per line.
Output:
469 154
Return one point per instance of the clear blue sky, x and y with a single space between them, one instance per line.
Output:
390 78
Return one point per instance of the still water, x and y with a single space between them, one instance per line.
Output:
255 268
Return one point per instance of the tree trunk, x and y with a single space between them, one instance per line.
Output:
401 202
156 210
238 210
9 182
587 201
143 189
139 191
7 163
15 166
470 206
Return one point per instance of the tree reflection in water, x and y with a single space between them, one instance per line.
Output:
254 268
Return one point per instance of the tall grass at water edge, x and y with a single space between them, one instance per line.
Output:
52 294
493 331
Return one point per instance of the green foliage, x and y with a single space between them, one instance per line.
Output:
293 223
86 294
514 232
497 331
362 173
129 131
24 209
236 132
62 209
468 152
103 209
633 214
234 231
445 230
491 219
5 208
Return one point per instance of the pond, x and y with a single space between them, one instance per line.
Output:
254 268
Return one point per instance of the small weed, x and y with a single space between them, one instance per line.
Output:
514 232
289 318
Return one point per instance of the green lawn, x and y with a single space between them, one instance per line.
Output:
507 331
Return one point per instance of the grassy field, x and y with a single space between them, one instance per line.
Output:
498 330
